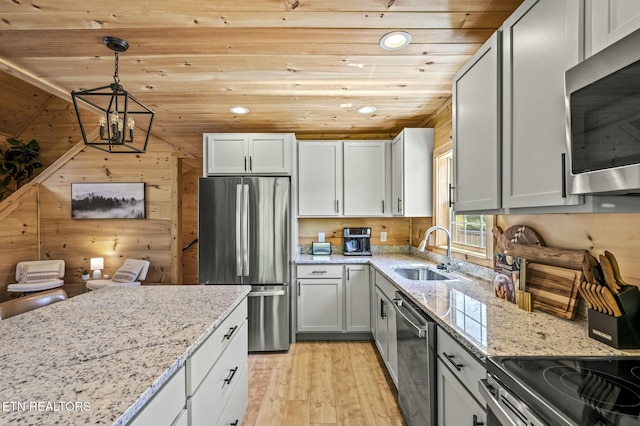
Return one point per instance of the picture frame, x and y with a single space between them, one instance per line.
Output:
108 200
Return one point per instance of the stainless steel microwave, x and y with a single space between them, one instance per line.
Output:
602 100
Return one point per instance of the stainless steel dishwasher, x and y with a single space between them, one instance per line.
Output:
416 363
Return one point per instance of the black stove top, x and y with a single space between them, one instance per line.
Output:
580 391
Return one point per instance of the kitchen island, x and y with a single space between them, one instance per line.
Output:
468 309
98 358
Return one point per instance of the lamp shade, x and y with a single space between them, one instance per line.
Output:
97 263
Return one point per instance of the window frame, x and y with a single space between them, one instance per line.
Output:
443 212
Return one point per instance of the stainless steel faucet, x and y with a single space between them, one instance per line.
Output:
423 244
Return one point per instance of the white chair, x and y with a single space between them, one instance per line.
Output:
129 274
37 275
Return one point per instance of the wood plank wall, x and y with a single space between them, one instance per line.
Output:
36 222
76 241
618 233
190 222
397 229
19 236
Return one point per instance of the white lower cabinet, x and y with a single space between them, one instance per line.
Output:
386 336
357 298
319 301
333 298
166 406
320 304
456 406
182 419
458 374
207 403
237 405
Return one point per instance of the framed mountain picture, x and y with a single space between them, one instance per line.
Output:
113 200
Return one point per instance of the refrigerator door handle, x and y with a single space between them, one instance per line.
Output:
245 230
238 230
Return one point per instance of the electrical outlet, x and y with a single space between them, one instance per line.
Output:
321 237
383 236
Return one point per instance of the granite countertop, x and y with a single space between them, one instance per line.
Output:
98 357
468 309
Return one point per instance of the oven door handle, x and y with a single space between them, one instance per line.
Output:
493 405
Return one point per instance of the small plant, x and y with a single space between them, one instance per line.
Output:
18 164
85 271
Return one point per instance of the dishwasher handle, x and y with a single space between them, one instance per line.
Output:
420 331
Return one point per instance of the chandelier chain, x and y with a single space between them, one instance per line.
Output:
115 74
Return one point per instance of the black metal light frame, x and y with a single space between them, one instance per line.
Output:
121 114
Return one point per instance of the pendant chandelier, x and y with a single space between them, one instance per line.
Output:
125 123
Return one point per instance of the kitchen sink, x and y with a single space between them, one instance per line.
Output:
420 274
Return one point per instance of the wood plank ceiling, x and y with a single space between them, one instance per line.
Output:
300 66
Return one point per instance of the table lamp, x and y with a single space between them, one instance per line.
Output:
97 264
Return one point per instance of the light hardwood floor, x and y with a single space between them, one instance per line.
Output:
321 383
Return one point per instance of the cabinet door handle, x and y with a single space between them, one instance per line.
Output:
382 206
235 423
382 313
318 272
451 360
451 188
298 288
348 274
337 206
564 175
476 422
399 205
230 333
229 378
245 163
250 163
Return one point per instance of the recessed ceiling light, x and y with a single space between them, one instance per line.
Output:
239 110
395 40
366 110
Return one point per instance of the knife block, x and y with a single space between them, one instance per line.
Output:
619 332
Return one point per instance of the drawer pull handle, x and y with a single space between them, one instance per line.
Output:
231 331
232 373
318 272
234 423
476 422
450 358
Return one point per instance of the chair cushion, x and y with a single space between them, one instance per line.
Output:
127 273
40 272
34 286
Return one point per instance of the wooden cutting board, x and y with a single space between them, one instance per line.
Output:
554 290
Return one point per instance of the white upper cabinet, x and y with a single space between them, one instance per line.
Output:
319 178
411 173
476 130
247 153
270 153
607 21
540 42
365 178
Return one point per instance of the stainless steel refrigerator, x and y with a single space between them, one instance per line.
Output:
244 238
